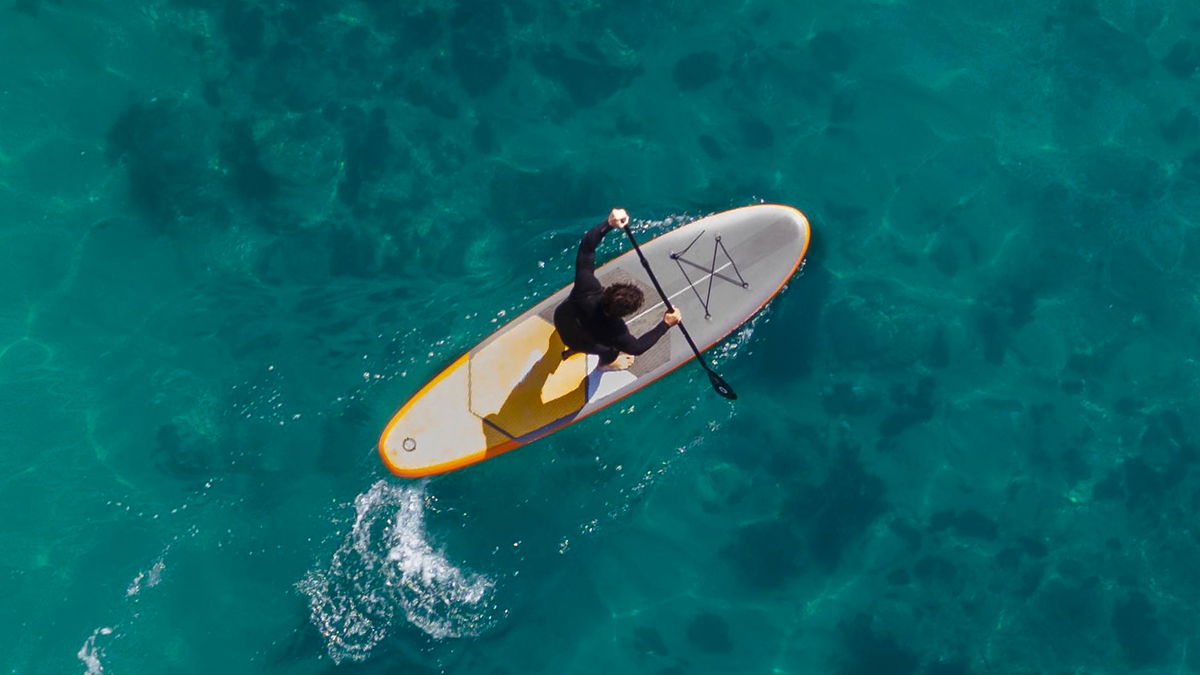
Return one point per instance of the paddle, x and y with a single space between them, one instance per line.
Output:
719 384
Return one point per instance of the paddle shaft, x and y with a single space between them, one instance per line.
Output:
718 382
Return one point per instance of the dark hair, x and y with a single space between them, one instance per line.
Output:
621 299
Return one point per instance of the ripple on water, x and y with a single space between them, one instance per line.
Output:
24 359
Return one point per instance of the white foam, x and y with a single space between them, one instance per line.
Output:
90 654
736 343
386 567
146 579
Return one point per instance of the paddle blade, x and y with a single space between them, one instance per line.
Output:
721 386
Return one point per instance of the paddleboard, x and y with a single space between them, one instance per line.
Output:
515 387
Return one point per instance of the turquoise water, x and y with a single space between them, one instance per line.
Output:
236 235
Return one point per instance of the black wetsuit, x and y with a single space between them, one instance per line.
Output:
581 321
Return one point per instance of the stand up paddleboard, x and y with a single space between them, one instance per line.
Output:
515 387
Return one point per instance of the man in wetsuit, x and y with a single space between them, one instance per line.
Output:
591 319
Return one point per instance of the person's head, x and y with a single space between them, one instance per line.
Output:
621 299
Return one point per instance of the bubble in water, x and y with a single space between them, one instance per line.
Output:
386 568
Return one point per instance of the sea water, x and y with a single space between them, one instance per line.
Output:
235 235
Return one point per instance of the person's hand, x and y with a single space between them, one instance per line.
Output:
673 317
618 218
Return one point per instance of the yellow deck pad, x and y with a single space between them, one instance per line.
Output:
520 382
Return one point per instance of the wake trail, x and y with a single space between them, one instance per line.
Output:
387 572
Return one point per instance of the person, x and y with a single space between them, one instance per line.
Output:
591 319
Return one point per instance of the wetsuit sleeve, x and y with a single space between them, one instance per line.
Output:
635 346
585 260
